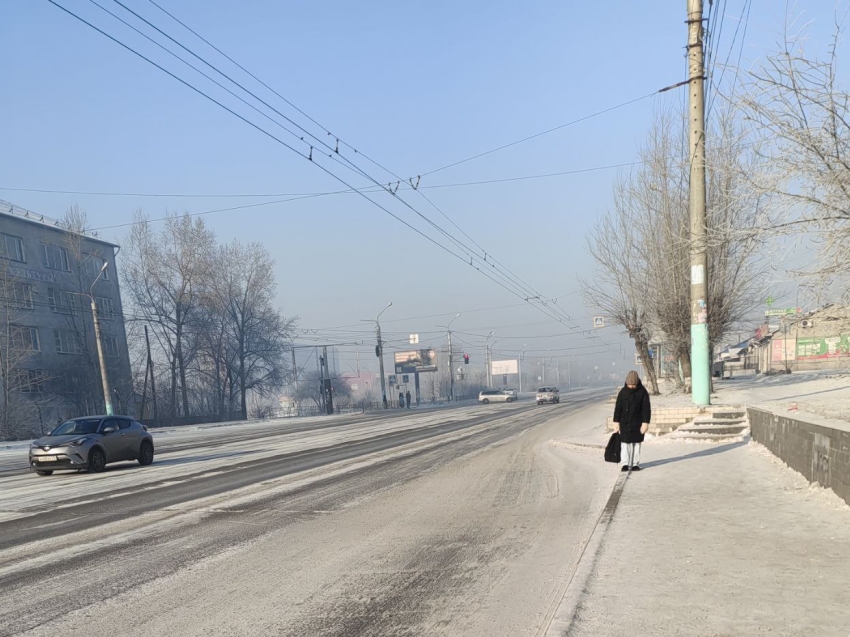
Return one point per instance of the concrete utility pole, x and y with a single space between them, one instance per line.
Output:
294 372
487 365
379 352
150 365
451 361
107 396
328 385
519 365
700 354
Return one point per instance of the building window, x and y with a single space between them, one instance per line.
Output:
24 338
67 342
21 296
30 381
12 248
61 302
105 308
110 344
93 264
56 257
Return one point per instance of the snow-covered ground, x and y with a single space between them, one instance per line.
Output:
823 394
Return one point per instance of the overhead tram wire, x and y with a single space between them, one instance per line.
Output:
504 273
253 125
347 164
275 138
509 277
544 309
327 131
745 8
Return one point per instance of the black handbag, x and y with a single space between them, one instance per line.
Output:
612 451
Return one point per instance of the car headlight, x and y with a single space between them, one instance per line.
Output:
77 442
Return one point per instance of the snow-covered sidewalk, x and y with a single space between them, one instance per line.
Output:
719 540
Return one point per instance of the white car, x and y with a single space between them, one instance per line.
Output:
495 396
548 395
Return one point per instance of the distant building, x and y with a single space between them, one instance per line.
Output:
814 340
46 273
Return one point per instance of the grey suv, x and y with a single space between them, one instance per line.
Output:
90 443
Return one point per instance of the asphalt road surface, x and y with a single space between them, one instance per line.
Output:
463 521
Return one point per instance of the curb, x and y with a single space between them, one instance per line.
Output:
565 614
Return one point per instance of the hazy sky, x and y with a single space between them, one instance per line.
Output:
415 86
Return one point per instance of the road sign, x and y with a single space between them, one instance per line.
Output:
638 359
598 321
414 339
782 312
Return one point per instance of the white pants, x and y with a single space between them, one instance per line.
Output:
624 453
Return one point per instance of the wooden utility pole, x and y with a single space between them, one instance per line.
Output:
700 350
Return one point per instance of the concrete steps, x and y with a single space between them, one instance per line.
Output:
720 426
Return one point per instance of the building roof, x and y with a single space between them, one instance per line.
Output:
28 216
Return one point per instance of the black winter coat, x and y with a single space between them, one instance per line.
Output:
632 410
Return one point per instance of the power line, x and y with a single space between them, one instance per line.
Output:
509 279
540 134
100 193
510 283
501 271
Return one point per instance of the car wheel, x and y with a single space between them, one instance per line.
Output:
146 453
44 473
486 401
97 461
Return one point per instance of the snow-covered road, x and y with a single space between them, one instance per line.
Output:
459 521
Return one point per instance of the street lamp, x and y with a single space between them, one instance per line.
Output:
107 397
379 351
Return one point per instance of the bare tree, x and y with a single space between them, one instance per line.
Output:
166 274
655 200
21 383
253 332
802 115
620 286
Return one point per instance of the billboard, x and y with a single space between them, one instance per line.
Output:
823 347
418 360
500 368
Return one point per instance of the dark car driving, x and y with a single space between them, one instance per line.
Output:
90 443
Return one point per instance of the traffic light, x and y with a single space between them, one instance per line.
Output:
466 359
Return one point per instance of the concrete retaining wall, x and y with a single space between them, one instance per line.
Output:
820 453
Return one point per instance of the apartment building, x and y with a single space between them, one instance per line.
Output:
48 274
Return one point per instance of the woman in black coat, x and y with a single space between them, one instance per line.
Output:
632 413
